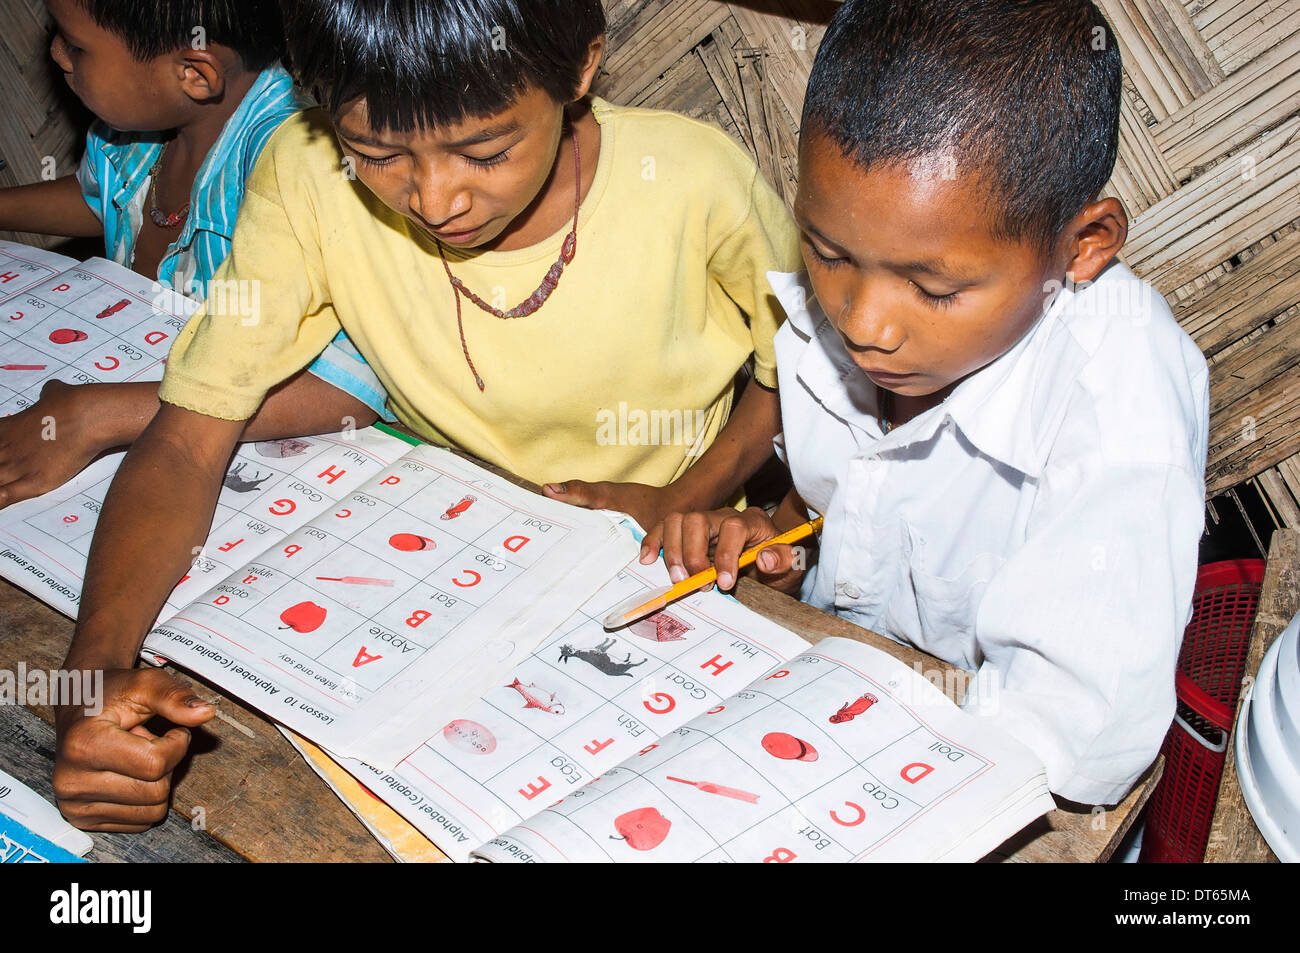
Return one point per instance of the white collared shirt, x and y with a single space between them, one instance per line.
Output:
1039 526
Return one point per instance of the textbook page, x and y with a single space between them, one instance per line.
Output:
396 608
841 754
98 321
578 705
22 266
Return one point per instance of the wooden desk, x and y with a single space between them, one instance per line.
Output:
1233 834
260 801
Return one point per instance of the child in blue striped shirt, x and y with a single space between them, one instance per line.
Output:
186 95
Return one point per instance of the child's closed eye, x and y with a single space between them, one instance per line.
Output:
937 301
490 161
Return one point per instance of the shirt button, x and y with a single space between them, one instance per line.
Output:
848 590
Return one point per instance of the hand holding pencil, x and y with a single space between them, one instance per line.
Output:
695 542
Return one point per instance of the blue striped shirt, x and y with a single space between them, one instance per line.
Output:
114 178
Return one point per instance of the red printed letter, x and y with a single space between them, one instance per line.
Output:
518 541
533 790
343 514
417 617
856 821
292 550
465 585
390 481
289 507
227 547
782 855
646 750
249 580
714 711
596 747
718 665
108 357
671 703
363 658
220 600
781 674
63 287
330 475
926 769
155 337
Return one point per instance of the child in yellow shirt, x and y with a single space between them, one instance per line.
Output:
533 276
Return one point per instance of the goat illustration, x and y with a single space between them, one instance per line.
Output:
237 483
599 658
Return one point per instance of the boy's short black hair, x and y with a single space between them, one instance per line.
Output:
428 63
150 28
1026 93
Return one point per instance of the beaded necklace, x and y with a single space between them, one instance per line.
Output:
173 220
534 301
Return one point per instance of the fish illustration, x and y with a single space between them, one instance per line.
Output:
532 699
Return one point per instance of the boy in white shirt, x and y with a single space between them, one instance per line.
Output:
1005 430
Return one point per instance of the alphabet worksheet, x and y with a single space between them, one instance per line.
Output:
83 324
708 733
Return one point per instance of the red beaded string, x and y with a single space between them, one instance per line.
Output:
534 301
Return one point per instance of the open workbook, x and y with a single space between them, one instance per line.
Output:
437 631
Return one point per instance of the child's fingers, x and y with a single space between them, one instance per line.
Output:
698 532
733 539
775 561
672 546
652 544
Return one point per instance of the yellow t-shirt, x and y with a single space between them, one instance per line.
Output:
624 374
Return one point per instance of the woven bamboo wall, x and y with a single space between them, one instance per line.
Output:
1209 165
37 118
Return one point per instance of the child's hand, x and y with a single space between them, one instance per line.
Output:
46 445
688 539
646 504
113 774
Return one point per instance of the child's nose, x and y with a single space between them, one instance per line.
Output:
868 321
437 203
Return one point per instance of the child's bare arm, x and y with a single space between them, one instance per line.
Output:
49 443
49 208
111 773
737 453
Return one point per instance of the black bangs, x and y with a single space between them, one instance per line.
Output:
425 63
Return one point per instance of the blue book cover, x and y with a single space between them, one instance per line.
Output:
18 845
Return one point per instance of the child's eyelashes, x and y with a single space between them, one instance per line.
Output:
937 301
825 261
490 161
376 161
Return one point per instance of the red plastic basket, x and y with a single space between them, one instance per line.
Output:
1207 683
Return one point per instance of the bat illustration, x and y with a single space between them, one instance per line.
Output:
708 787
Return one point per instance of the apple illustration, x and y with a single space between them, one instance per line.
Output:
410 543
787 747
304 617
643 829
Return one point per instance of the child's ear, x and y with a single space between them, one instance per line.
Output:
1094 238
202 75
590 66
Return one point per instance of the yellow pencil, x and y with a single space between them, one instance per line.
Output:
644 605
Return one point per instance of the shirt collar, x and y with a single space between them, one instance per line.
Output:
1008 409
